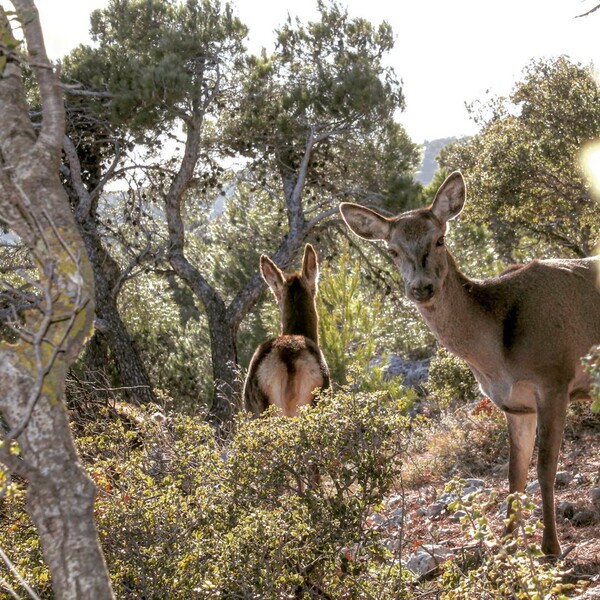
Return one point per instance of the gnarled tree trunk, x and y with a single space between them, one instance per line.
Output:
60 497
133 377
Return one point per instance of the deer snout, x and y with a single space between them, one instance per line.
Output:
421 293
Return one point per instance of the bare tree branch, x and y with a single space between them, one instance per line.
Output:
589 12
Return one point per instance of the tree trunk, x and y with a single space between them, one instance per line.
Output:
60 495
34 205
132 372
227 385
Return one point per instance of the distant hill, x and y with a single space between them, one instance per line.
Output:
430 165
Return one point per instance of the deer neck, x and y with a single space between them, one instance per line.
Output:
299 315
301 324
458 318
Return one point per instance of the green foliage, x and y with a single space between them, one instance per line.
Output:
524 167
172 336
327 79
359 322
182 515
324 73
20 542
503 568
158 59
450 381
591 363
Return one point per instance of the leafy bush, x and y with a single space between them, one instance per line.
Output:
183 515
500 568
591 363
359 321
450 382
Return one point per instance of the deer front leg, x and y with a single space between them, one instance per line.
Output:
552 424
521 437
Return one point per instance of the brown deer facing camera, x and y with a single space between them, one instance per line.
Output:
286 370
522 333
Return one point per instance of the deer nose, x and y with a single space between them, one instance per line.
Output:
422 293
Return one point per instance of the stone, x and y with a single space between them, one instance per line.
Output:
583 517
435 509
458 515
566 509
563 479
427 558
414 373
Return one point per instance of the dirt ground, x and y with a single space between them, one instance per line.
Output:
578 513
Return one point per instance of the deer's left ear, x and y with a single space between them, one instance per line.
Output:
450 198
310 266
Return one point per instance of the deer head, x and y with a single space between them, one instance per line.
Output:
415 239
295 293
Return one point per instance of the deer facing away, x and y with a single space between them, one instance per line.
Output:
522 333
286 370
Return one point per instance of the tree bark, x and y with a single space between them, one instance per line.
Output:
223 345
133 377
60 496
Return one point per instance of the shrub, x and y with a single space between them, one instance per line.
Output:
183 515
499 568
450 382
591 363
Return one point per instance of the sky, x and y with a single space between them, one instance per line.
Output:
447 53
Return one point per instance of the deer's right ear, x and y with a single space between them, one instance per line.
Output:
310 266
364 222
272 274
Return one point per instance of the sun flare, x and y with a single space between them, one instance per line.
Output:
590 160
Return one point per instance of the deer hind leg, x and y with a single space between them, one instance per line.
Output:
551 427
521 437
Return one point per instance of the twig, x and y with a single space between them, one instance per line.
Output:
14 571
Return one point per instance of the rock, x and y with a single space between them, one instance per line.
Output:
533 487
447 498
435 509
595 495
392 545
583 517
593 594
414 373
378 519
458 515
563 479
566 509
395 517
475 485
395 499
392 518
427 558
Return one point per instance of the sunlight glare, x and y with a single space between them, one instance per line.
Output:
590 160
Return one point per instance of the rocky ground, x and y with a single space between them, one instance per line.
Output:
472 446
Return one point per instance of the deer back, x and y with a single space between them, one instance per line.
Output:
286 370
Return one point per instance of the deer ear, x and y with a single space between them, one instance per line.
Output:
364 222
450 198
310 266
273 275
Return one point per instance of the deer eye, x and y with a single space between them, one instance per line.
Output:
440 241
393 253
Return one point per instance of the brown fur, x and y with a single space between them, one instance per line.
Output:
285 370
523 333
